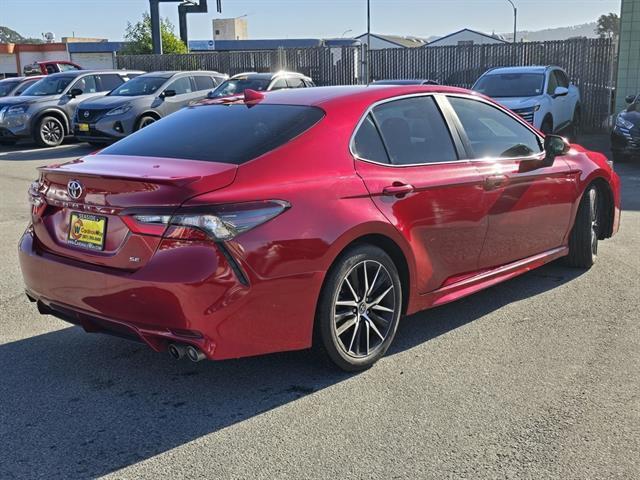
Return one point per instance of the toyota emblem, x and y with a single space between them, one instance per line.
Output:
86 114
74 188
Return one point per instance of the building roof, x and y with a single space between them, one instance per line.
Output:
268 44
405 42
493 37
95 47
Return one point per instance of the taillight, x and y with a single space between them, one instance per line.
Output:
36 198
215 222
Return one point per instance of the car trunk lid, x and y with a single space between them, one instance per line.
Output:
111 188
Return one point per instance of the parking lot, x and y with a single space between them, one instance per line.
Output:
538 377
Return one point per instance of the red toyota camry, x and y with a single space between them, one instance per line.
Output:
314 216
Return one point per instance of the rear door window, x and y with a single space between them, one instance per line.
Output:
414 131
279 84
231 134
203 82
295 82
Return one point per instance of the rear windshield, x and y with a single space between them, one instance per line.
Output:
510 85
219 133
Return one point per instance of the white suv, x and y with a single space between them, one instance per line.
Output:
543 96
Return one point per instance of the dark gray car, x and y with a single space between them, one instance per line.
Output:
45 109
141 102
14 86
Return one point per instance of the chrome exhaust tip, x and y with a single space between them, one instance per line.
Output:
177 351
194 354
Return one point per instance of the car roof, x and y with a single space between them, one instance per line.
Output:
77 73
269 75
171 73
356 95
403 81
529 69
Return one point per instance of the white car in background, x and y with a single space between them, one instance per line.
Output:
543 96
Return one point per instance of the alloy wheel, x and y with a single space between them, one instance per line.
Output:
52 132
364 309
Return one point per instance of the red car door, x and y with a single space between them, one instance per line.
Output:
409 161
528 205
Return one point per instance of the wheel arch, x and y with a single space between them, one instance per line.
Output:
53 112
607 211
392 248
147 113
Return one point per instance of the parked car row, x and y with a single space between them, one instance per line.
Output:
101 107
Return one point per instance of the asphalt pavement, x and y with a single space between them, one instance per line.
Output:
538 377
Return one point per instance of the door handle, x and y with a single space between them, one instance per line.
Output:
494 181
397 189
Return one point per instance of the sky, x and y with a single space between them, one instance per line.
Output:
304 18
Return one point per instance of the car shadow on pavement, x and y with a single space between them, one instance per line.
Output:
26 152
78 405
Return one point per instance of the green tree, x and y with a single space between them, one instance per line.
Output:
608 26
140 42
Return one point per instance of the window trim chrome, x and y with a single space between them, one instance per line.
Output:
468 96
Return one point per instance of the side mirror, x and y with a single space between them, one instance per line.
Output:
630 99
75 92
554 146
560 91
168 93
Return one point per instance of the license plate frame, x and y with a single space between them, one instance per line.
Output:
95 236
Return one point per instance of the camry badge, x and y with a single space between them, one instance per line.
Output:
74 189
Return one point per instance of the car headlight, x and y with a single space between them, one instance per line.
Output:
16 110
122 109
621 122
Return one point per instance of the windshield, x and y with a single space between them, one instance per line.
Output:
139 86
237 86
7 87
48 86
510 85
219 133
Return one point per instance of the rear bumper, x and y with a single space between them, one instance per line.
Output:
184 294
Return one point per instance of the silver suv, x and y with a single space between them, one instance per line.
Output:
140 102
45 109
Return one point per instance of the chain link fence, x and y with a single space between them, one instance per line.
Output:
590 64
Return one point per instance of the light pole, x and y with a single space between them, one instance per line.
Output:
368 71
515 19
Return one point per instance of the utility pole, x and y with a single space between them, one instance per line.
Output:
368 70
515 19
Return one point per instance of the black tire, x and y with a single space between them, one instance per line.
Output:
49 132
356 335
583 241
547 126
145 121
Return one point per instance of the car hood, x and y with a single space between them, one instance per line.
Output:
633 116
514 103
114 101
22 100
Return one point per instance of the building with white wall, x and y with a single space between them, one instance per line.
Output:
379 42
230 29
466 36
